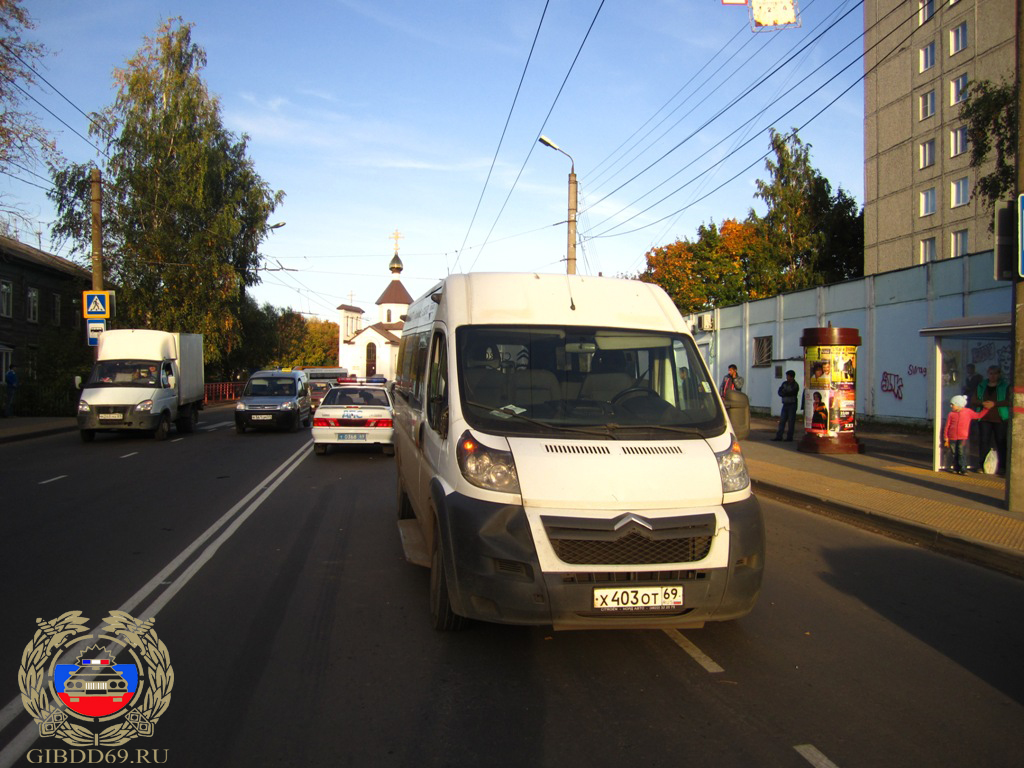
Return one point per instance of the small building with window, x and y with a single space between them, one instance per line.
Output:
40 297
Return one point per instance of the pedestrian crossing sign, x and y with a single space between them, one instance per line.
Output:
96 304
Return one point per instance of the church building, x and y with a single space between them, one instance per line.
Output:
373 350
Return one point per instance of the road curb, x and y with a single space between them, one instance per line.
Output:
989 556
29 434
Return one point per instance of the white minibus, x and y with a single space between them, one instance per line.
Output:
564 459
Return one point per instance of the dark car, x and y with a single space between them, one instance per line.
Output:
275 400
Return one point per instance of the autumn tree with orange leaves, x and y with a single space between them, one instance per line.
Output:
705 273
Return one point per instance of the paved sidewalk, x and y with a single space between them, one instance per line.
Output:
889 487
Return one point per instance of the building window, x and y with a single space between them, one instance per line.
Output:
927 250
927 151
959 193
958 243
928 202
6 298
925 10
762 351
55 309
927 104
32 310
958 89
958 141
928 56
958 39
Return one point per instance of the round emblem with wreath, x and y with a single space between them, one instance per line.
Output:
63 697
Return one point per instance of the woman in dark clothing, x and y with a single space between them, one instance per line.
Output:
993 425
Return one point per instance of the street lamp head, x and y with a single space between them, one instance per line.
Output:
549 143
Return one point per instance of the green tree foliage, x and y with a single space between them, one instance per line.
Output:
304 342
184 210
841 223
322 338
276 338
990 113
23 141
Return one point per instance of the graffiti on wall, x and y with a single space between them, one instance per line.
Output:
992 353
917 370
1004 359
893 382
982 352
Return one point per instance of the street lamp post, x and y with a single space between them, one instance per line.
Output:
570 250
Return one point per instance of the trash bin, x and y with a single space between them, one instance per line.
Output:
737 405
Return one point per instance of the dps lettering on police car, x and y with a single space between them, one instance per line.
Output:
638 598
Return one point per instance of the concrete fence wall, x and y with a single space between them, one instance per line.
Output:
895 376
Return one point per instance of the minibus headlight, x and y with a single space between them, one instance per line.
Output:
486 467
733 468
239 406
83 406
145 406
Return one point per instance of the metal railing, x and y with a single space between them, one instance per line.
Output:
219 392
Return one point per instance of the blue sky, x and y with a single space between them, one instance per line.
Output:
377 115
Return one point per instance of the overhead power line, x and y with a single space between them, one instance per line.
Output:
533 143
750 89
501 140
608 232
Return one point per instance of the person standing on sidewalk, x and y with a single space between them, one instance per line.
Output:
973 379
993 425
789 391
11 386
958 430
732 380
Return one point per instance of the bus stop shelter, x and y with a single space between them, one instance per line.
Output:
983 328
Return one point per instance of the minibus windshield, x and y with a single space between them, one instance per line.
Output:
585 381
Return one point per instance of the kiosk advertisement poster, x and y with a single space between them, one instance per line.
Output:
830 373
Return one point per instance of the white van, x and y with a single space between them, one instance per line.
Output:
564 459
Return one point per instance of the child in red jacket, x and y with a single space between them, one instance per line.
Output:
958 430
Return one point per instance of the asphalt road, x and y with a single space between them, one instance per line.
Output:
300 636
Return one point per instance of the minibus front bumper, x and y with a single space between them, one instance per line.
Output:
494 573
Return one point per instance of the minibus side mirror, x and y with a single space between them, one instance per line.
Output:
438 415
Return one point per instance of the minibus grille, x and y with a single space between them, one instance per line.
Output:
631 542
632 549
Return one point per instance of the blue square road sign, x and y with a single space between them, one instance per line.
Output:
96 304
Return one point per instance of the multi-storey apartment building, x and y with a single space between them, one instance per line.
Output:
920 57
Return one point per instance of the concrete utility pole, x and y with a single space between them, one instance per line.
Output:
97 230
570 248
1015 440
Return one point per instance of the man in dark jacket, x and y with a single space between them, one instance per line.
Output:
994 425
789 391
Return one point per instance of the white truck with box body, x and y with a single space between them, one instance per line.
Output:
143 380
565 459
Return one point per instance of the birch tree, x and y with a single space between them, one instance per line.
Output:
184 210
